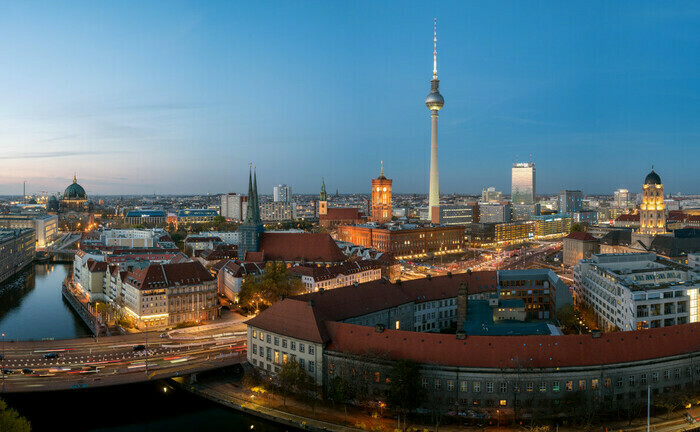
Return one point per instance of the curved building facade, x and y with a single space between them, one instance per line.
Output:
358 332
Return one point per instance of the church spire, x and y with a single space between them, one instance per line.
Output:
255 193
322 196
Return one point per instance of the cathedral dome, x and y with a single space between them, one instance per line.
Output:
74 192
652 179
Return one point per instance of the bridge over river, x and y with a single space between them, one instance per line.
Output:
115 360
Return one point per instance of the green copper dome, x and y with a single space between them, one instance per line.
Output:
75 191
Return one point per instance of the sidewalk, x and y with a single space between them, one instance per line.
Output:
344 418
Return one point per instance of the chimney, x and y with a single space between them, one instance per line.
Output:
462 304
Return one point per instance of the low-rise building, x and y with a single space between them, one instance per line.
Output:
195 216
231 275
405 240
169 294
45 226
16 250
145 217
637 291
355 272
578 246
541 290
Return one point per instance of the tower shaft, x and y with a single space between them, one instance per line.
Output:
434 196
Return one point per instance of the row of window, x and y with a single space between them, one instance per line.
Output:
570 385
292 344
282 357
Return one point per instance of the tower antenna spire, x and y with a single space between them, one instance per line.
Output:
435 51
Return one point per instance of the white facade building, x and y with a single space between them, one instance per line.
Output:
282 193
637 291
233 206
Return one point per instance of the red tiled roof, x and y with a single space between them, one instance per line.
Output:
300 247
96 266
628 218
347 302
584 236
167 275
294 318
344 213
240 269
220 252
257 257
517 351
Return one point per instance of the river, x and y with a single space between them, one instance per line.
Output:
32 307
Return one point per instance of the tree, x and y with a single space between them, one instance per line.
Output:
566 315
669 402
292 379
11 421
576 228
263 291
406 392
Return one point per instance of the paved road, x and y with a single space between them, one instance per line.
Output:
113 360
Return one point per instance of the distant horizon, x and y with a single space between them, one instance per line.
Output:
137 97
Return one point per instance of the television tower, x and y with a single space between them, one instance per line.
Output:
434 102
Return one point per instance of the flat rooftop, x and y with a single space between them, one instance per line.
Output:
480 323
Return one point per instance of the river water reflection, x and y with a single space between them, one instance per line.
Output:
32 307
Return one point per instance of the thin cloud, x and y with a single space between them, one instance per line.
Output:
52 154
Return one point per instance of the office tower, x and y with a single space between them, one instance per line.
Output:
381 198
282 193
570 201
652 213
621 198
434 102
523 189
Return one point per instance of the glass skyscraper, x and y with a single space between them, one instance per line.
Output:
523 190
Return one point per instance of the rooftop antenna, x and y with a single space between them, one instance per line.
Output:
435 51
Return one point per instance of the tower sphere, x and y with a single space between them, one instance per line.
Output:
434 101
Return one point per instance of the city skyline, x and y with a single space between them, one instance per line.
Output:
142 100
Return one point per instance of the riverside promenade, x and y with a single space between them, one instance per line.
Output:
342 418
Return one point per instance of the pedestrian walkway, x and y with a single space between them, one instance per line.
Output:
343 418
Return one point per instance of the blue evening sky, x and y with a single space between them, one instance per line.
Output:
179 97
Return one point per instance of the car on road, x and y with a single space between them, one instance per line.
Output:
139 347
7 371
27 371
163 335
51 355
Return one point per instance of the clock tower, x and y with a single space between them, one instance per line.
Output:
381 198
